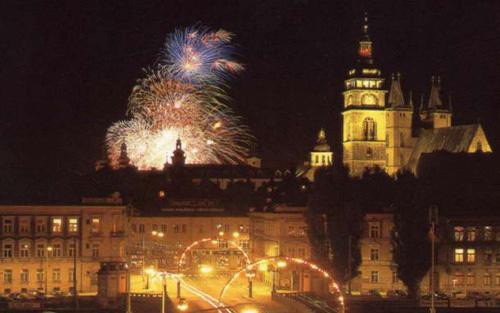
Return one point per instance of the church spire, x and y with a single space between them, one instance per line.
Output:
365 44
410 99
396 98
434 97
123 160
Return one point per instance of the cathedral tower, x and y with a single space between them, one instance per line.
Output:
399 115
436 114
364 126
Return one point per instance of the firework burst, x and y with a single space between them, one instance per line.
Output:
183 97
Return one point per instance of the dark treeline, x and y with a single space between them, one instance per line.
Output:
458 184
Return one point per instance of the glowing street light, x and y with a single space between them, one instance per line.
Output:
250 310
221 233
182 306
206 269
236 234
281 264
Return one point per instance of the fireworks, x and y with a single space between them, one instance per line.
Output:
183 97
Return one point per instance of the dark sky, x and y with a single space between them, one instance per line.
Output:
67 67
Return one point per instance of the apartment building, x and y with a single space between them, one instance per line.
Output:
43 245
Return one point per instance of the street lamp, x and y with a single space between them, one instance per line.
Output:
49 249
150 271
182 306
250 274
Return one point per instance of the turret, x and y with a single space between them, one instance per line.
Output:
123 160
399 117
178 158
321 155
436 114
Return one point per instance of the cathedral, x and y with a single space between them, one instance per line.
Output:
382 128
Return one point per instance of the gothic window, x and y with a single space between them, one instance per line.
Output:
349 99
479 146
368 99
369 129
401 140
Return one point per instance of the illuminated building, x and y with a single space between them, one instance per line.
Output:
182 227
320 156
39 244
283 233
386 134
377 270
469 256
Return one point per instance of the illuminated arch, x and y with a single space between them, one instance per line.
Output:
198 242
333 286
369 99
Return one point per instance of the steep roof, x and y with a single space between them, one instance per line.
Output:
396 98
453 139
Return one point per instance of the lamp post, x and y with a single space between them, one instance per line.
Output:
250 274
49 249
164 292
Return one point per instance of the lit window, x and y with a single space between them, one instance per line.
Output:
488 233
374 254
24 250
368 99
56 224
459 233
459 255
471 255
374 277
95 226
73 224
163 228
471 233
25 276
56 250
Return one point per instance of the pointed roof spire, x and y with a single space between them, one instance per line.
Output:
410 99
396 98
321 143
434 96
123 160
366 35
421 107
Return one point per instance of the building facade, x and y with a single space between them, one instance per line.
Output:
384 133
377 272
42 245
469 255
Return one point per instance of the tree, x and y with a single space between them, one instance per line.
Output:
333 218
410 240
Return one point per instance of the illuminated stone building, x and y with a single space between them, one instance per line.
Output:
320 156
383 131
40 245
469 255
377 270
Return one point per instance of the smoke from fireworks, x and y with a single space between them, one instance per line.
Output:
183 97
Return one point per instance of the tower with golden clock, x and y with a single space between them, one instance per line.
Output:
363 138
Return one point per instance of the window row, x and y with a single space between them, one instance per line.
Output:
182 228
459 279
41 250
375 277
25 276
56 224
473 233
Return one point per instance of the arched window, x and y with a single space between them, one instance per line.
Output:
479 146
368 99
349 100
369 129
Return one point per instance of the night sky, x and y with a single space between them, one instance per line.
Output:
67 67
